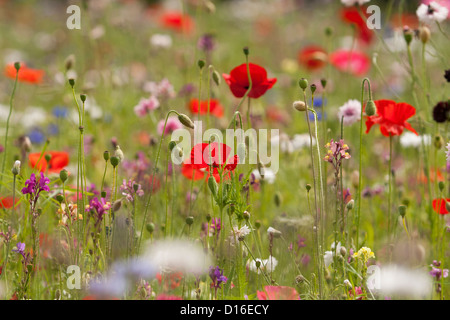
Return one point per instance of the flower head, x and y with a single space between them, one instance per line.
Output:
353 62
58 161
431 13
312 57
145 106
26 74
364 254
391 117
217 277
214 108
351 111
172 124
238 82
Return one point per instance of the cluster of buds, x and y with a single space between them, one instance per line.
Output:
337 151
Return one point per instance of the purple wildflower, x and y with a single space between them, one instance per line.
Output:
131 189
206 42
437 273
217 277
20 248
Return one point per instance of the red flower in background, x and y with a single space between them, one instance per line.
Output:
278 293
440 207
405 19
26 74
354 62
351 15
312 57
177 21
391 117
215 108
238 81
58 161
7 202
203 154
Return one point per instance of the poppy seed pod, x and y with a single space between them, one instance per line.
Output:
189 220
17 65
441 186
313 88
48 157
72 82
185 120
300 106
371 108
402 210
201 64
408 35
83 97
114 161
308 187
106 155
63 175
303 83
323 82
246 51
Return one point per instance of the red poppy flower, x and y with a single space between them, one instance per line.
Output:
238 81
203 154
25 74
439 206
354 62
410 20
312 57
172 280
7 202
215 108
278 293
58 161
391 117
352 16
177 21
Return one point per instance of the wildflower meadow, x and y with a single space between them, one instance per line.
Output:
218 150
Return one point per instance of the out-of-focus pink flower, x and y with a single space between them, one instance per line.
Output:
354 62
146 105
278 293
172 124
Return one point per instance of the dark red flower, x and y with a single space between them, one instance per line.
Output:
177 21
26 74
440 207
215 108
391 117
351 15
312 57
58 161
7 202
354 62
218 155
238 81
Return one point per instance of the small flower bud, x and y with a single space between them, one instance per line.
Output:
258 264
106 155
172 144
63 175
303 83
216 77
117 205
150 227
323 82
424 34
189 220
246 51
83 97
438 142
351 204
208 217
343 251
300 106
308 187
313 88
408 35
17 66
16 168
185 120
119 153
257 224
402 210
201 64
115 161
72 82
60 198
371 108
246 215
441 186
103 194
212 184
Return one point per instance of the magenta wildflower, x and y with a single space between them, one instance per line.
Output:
438 273
145 106
131 189
206 42
20 248
217 277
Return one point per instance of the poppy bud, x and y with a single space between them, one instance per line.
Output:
106 155
424 34
201 64
135 187
16 168
323 82
246 215
72 82
351 204
441 186
83 97
63 175
258 264
343 251
371 108
308 187
60 198
438 141
402 210
185 120
216 77
150 227
189 220
103 194
115 161
303 83
313 88
17 66
70 61
172 144
278 199
246 51
212 184
300 106
208 217
117 205
119 153
408 35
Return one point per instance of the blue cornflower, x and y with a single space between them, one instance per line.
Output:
60 112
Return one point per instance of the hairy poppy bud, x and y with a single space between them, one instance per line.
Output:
150 227
424 34
185 120
119 153
402 210
63 175
201 64
48 157
106 155
60 198
212 184
189 220
303 83
115 161
300 106
441 185
371 108
216 77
